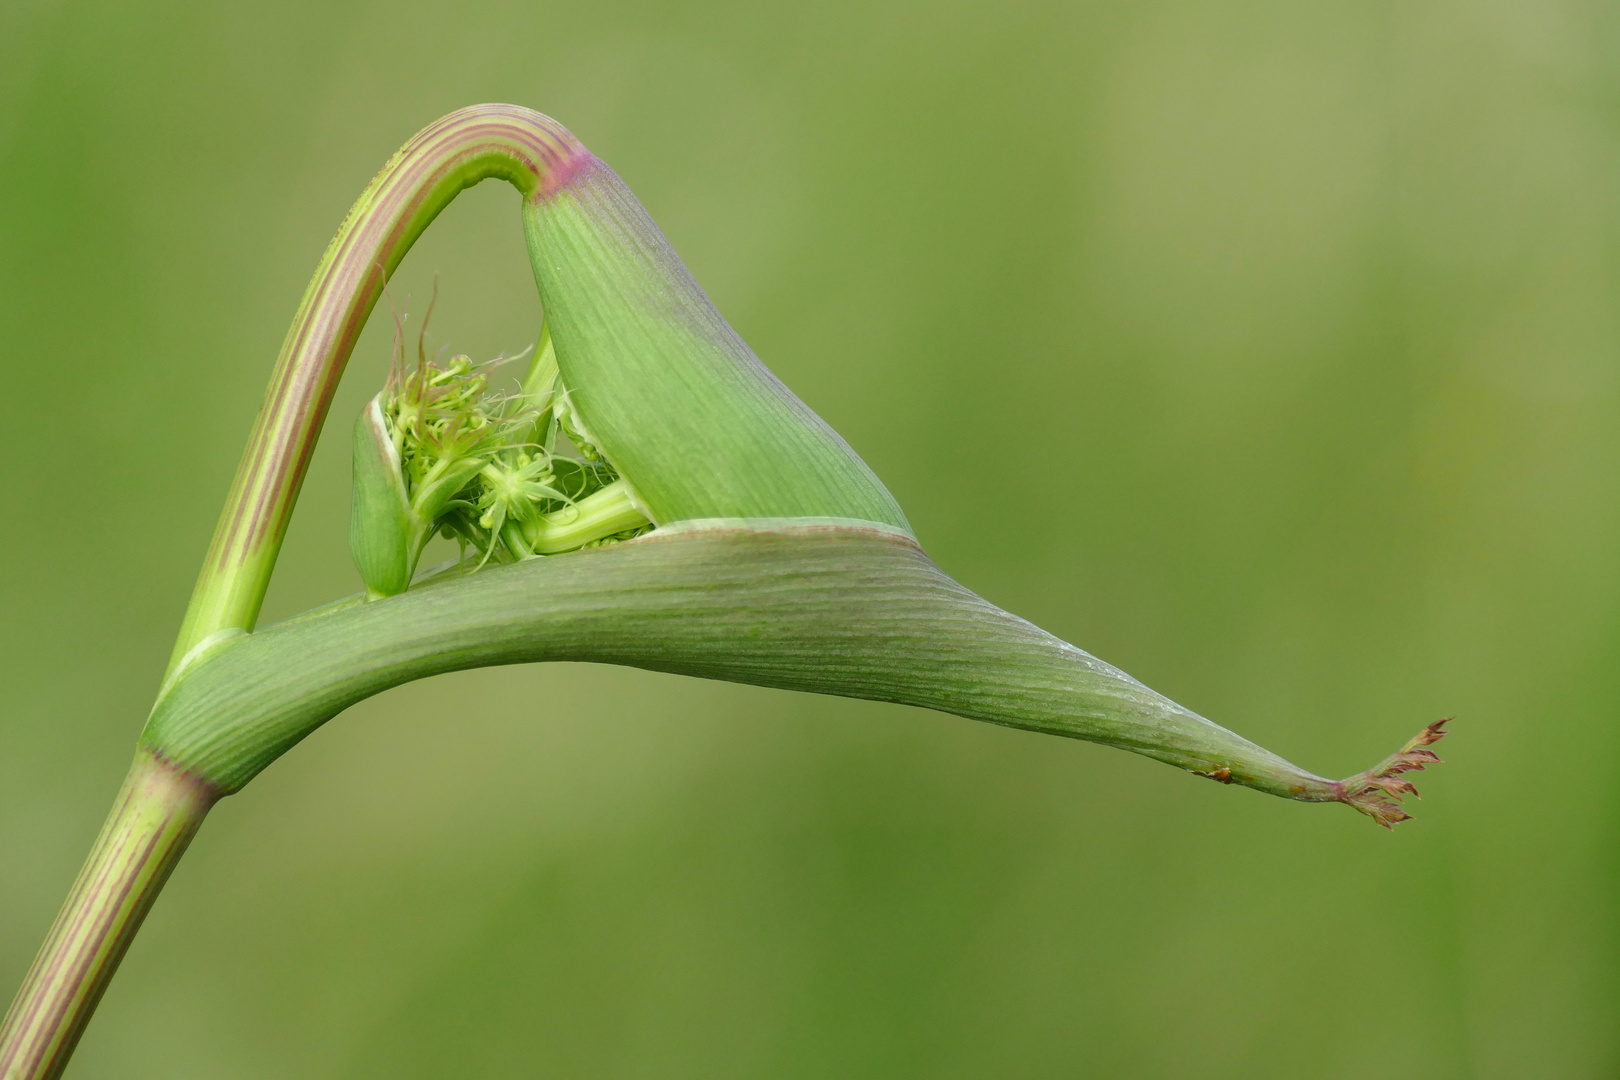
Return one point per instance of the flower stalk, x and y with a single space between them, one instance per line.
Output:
529 151
494 141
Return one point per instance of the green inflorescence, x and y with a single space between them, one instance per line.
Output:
528 495
490 470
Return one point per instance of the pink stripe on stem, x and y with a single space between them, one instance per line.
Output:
533 153
152 821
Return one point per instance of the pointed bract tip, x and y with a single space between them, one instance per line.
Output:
1378 791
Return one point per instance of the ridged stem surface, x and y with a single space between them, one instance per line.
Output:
158 811
486 141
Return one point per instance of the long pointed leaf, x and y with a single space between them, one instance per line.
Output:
835 608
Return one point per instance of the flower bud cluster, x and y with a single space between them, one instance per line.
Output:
438 453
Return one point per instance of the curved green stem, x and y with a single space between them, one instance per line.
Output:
155 816
160 806
505 142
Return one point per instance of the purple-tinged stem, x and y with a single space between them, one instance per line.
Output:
156 814
161 806
534 154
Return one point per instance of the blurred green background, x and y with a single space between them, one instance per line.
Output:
1266 350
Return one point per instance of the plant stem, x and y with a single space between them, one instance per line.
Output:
156 814
471 145
161 806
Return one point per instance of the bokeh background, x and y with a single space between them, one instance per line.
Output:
1266 350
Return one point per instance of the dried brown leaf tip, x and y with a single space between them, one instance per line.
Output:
1378 791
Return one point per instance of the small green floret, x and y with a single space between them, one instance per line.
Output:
438 453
